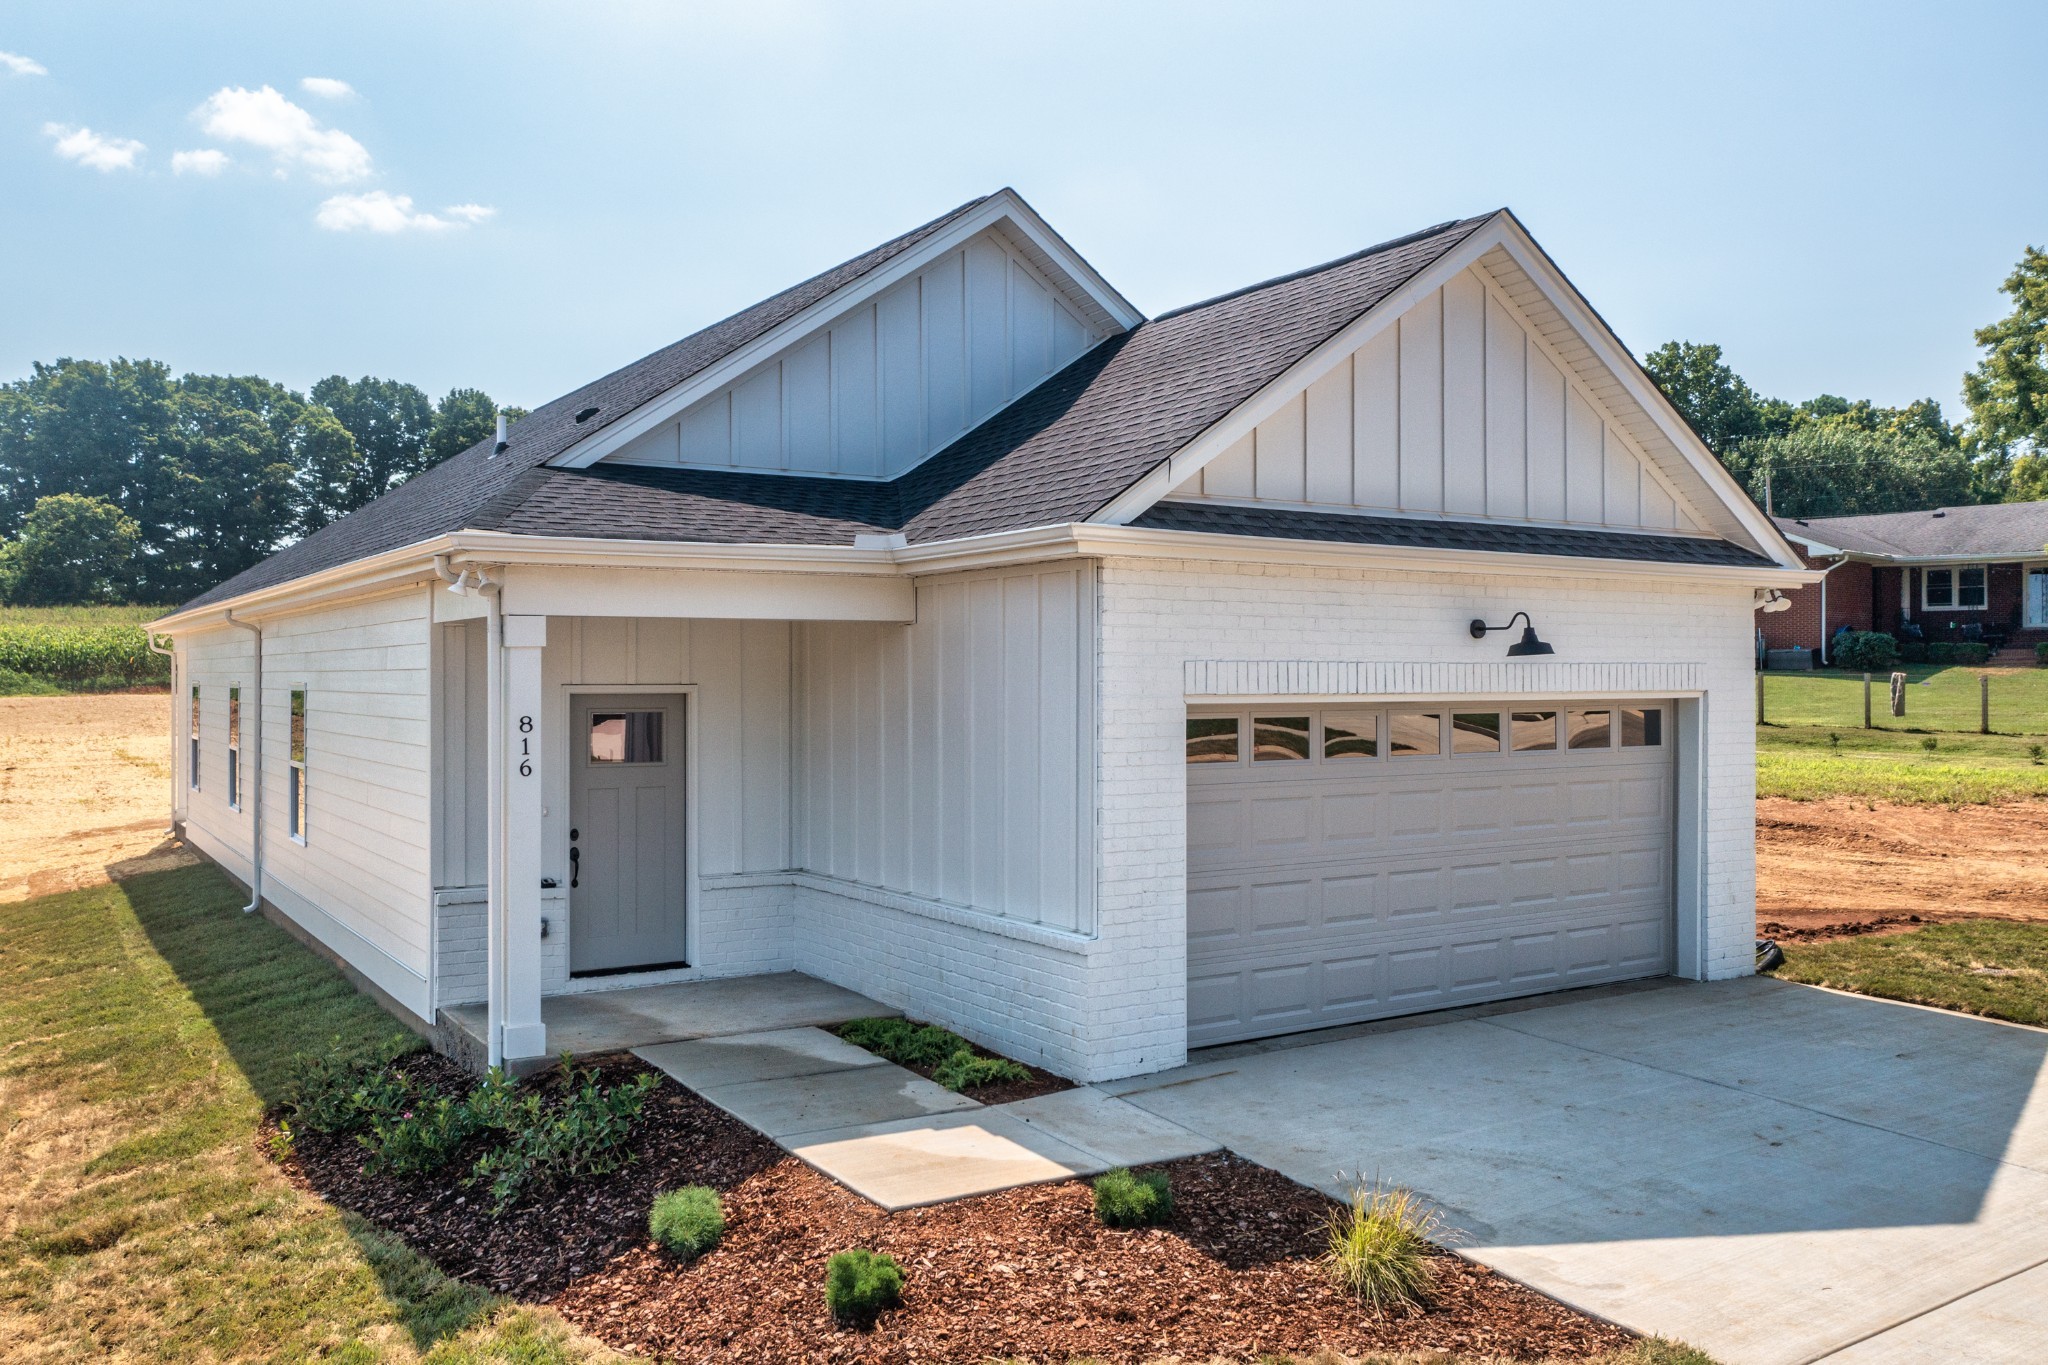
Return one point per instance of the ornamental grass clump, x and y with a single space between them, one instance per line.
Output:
1379 1249
687 1222
859 1284
1124 1200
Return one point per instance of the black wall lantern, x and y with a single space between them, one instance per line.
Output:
1523 647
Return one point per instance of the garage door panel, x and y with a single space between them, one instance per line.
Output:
1327 893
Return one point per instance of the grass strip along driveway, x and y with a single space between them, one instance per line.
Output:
147 1025
1994 968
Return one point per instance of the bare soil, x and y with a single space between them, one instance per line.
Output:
84 788
1828 869
1026 1274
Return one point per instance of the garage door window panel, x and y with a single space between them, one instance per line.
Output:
1351 735
1642 727
1475 732
1415 734
1589 728
1212 739
1533 731
1280 739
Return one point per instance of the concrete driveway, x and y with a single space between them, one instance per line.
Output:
1770 1172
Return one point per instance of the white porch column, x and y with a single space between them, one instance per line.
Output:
524 1034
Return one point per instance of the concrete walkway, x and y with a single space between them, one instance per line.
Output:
1773 1173
899 1140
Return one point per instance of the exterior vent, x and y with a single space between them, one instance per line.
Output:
585 415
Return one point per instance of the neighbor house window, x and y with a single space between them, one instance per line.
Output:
1351 734
1212 739
1960 589
1642 727
298 765
235 748
1279 738
1589 729
192 736
1414 733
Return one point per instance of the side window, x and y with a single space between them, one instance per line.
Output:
192 743
1212 739
1970 587
298 765
1941 588
235 748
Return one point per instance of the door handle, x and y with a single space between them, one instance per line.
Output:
575 866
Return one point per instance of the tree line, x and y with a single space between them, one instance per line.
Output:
1833 457
120 482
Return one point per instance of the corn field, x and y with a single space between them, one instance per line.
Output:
80 652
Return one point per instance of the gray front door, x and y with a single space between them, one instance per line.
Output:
1355 862
626 793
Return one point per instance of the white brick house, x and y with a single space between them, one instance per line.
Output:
1095 685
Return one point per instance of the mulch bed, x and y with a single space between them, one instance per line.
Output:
1042 1082
1025 1274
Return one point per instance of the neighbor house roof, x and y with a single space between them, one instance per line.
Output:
1060 453
2016 530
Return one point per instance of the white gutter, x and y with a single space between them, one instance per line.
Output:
255 774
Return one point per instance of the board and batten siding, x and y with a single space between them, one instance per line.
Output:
1460 409
892 381
359 882
952 759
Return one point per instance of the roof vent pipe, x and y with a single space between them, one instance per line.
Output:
499 448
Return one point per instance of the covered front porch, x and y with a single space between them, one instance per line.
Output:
612 804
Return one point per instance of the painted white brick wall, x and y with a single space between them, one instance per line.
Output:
1157 617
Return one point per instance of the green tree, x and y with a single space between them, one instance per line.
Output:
71 550
84 426
2008 391
1835 469
463 418
390 422
1721 407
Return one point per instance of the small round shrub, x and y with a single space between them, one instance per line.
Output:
1123 1200
1866 651
859 1284
687 1222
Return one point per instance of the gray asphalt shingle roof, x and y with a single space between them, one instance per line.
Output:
1999 529
1058 454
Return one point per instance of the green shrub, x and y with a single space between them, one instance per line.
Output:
903 1042
859 1284
1123 1200
421 1138
2041 654
1912 651
582 1134
1968 653
78 653
1379 1249
1930 743
963 1071
343 1090
687 1222
1865 651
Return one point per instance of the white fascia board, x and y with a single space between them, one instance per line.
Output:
999 208
1609 350
709 594
1184 463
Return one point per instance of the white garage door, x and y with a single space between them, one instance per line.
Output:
1349 863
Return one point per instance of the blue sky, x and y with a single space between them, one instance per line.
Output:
522 196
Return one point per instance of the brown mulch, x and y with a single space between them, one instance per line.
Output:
1042 1082
1025 1274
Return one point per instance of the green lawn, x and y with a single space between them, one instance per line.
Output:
1938 698
1986 967
146 1026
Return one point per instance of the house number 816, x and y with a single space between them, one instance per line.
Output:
525 747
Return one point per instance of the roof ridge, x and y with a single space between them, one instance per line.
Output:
1406 239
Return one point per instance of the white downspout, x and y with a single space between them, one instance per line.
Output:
172 655
465 581
255 774
1824 605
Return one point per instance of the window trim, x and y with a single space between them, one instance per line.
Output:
234 747
1955 587
192 726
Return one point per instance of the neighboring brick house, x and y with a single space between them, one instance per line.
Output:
1096 685
1952 573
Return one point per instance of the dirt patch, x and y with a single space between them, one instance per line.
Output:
1828 869
1026 1274
85 784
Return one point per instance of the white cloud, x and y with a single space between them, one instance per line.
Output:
263 118
88 148
204 161
380 211
327 88
23 66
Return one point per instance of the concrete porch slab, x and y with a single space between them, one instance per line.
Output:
637 1016
704 1063
1114 1131
910 1162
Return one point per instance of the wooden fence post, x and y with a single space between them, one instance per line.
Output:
1866 701
1898 694
1983 703
1759 698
